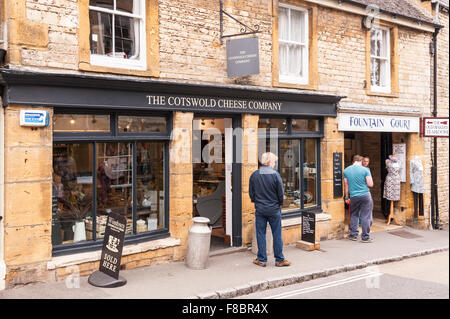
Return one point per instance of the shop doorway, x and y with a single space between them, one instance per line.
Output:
377 146
212 177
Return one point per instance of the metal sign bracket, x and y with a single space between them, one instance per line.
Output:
245 29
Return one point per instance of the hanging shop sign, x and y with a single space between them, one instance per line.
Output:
242 57
378 123
400 150
434 127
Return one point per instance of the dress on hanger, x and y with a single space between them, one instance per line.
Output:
416 176
392 183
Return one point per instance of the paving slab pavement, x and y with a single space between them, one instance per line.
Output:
232 275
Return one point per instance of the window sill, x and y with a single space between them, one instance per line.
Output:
80 258
151 72
311 87
383 94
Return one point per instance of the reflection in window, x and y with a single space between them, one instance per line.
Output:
150 186
114 183
290 173
273 123
72 192
380 59
81 123
304 125
142 124
310 172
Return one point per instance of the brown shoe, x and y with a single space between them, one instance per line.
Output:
259 263
283 263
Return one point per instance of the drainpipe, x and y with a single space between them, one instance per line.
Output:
434 182
2 198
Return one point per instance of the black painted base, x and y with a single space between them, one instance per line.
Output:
100 279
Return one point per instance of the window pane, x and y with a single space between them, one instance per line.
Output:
379 43
297 26
109 4
101 32
72 192
375 72
283 23
290 173
126 37
270 123
127 6
305 125
284 59
150 186
114 183
81 123
295 60
142 124
384 73
310 173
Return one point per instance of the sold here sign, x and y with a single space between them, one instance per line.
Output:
435 126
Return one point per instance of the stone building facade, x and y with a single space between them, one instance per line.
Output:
49 45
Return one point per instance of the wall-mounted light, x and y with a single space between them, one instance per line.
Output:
72 120
367 22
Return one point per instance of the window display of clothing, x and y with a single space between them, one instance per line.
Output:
416 175
392 182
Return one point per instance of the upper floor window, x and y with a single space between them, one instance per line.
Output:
293 44
117 33
380 62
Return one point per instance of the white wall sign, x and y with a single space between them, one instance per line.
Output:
435 126
400 150
378 123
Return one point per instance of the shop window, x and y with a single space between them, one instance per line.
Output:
380 64
94 178
273 123
142 124
304 125
310 172
297 148
81 123
289 169
293 44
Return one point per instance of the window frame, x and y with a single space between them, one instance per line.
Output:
114 136
305 46
106 61
387 60
301 136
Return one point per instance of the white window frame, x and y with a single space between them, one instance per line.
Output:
382 88
107 61
293 79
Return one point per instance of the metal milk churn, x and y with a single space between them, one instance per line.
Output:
198 243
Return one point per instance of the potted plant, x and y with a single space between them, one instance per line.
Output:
76 204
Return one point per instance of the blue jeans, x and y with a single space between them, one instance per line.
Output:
361 208
274 219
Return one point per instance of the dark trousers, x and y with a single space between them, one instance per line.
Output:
418 204
361 208
274 219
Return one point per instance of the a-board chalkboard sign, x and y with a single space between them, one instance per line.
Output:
309 227
337 175
113 245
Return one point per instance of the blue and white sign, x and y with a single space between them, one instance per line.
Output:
34 118
378 123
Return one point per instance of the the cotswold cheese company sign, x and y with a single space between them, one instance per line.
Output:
378 123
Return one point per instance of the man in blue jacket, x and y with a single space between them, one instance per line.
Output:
266 191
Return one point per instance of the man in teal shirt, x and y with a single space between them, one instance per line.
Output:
357 180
